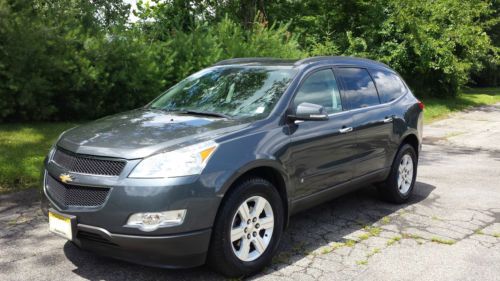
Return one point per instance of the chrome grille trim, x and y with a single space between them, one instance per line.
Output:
67 195
85 164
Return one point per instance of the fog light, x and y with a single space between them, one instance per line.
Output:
153 221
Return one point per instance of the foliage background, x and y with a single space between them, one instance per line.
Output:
82 59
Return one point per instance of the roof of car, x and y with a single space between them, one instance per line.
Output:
334 60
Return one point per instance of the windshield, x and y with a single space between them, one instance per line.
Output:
234 91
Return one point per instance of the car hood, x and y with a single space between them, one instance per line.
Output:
140 133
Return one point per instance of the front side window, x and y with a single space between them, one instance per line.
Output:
236 91
389 85
359 88
320 88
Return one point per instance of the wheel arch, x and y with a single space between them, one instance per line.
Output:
412 140
268 170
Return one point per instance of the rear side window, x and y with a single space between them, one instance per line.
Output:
320 88
389 85
359 88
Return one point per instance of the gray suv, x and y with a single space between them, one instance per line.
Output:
212 169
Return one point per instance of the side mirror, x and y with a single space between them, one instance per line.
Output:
309 111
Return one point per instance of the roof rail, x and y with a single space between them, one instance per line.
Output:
337 58
254 60
333 59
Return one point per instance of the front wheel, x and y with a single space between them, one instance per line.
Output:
399 185
247 229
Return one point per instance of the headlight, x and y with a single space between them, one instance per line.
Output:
189 160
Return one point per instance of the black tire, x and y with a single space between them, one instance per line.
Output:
221 257
389 190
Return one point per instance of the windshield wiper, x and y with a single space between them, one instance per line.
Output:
207 113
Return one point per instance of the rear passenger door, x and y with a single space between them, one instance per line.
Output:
390 88
372 122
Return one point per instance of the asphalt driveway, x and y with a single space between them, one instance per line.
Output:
450 230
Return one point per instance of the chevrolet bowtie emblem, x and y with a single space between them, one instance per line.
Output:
65 178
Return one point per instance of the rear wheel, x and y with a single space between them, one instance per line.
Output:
247 229
398 187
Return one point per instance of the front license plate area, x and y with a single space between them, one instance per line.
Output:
61 225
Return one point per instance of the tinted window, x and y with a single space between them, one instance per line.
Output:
320 88
359 89
389 85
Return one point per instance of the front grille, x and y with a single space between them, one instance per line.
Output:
85 164
66 195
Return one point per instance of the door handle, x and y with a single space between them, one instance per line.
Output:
345 130
388 119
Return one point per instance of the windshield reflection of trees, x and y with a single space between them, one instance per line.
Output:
232 91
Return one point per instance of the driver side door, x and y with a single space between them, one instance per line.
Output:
321 152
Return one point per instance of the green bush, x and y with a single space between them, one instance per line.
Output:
75 68
64 64
435 45
440 42
72 59
205 45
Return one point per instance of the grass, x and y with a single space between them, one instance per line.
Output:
364 236
419 239
411 236
374 231
332 247
373 252
350 243
23 146
326 250
436 109
22 150
336 245
371 231
385 220
479 231
393 240
362 262
442 241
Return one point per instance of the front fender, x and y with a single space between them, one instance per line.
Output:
259 163
254 164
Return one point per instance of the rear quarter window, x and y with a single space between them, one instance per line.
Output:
358 86
389 85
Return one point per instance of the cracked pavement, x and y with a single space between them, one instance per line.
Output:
449 231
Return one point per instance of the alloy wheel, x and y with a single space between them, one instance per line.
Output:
252 228
405 174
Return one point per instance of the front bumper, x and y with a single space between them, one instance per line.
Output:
170 251
181 250
103 229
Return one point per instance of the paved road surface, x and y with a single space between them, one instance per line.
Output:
449 231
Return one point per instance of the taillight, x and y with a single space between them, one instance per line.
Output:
421 105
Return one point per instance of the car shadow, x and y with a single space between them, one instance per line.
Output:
309 230
337 220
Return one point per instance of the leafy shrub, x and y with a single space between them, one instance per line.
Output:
74 68
434 44
205 45
70 60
